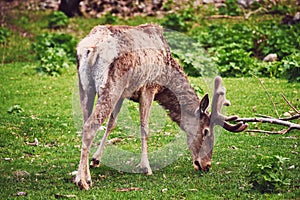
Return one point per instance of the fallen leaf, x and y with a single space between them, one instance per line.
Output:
58 196
164 176
291 137
291 167
114 141
73 173
287 114
35 143
21 173
21 193
128 189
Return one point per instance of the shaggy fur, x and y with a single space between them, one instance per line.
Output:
118 62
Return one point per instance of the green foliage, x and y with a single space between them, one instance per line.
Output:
58 19
277 38
109 18
234 62
268 174
291 67
4 34
238 48
180 21
176 22
231 8
15 109
191 55
283 8
55 52
167 5
53 62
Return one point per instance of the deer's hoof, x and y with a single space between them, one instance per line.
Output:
81 183
146 171
84 185
95 163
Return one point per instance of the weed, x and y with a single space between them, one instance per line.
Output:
55 52
109 18
291 67
268 173
176 22
4 34
231 8
58 19
15 109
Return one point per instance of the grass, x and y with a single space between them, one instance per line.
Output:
47 116
43 171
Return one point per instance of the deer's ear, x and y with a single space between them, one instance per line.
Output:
204 105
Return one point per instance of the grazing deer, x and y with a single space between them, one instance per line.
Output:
118 62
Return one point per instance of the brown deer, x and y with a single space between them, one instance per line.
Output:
118 62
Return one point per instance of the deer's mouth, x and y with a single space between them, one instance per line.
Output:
198 167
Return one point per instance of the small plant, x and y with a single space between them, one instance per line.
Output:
176 22
167 5
278 38
15 109
291 67
231 8
268 174
55 52
191 55
109 18
4 34
58 19
53 62
234 62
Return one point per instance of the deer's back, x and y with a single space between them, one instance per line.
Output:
113 52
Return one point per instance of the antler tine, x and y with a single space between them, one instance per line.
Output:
217 118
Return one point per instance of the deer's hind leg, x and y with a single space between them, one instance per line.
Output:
146 99
110 126
104 107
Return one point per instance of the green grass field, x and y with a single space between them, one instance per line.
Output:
46 108
47 115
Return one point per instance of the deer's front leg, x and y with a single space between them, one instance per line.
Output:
146 99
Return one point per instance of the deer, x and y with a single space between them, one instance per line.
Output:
135 62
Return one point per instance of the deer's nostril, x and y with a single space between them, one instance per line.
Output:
197 164
207 168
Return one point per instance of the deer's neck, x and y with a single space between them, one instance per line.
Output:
178 97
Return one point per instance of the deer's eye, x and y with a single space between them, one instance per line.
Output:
206 132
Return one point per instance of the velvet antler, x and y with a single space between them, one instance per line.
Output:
217 118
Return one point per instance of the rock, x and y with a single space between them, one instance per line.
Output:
270 57
296 17
246 3
208 1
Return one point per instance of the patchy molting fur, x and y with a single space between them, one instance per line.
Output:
117 62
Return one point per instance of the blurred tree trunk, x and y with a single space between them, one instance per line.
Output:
70 7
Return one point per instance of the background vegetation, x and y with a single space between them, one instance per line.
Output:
38 75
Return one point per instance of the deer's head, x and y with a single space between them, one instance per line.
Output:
201 141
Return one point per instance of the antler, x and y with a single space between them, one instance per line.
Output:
217 118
